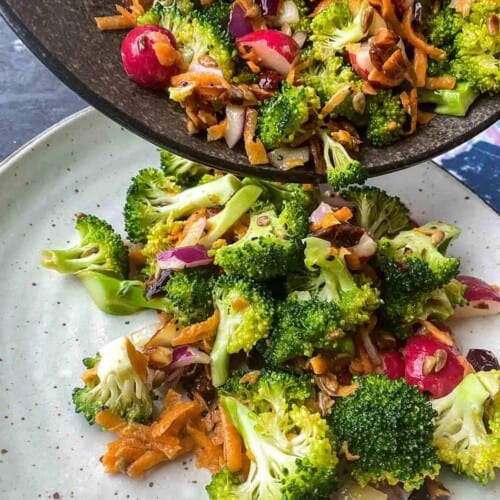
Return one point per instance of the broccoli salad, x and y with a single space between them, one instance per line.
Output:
306 81
301 348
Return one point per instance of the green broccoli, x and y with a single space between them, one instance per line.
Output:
189 293
443 26
453 102
292 448
304 22
341 169
277 193
335 27
330 280
467 426
270 247
284 117
121 297
388 425
386 118
245 317
120 386
184 172
100 249
302 327
413 261
399 313
152 197
377 212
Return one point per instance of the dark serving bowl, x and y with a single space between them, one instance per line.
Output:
63 35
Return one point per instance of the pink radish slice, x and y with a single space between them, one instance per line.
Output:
394 365
484 300
359 57
274 49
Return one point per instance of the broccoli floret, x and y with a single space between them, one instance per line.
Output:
173 17
386 118
330 280
341 169
234 209
467 433
245 316
377 212
303 327
282 119
482 71
398 313
388 425
304 22
218 10
190 294
152 197
158 240
120 386
100 249
335 27
121 297
292 448
270 247
277 193
453 102
184 172
413 260
443 26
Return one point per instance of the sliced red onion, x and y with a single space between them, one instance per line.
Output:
239 24
294 156
366 247
184 257
268 7
195 233
318 214
235 124
484 300
186 355
288 14
300 37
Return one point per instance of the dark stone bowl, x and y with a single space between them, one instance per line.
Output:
63 35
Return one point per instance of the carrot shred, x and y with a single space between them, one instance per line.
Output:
319 364
199 331
174 416
137 257
346 390
146 461
440 335
336 100
343 214
254 148
216 132
200 79
107 419
383 80
320 6
420 65
138 360
166 53
126 14
424 117
195 216
89 375
413 111
111 23
353 262
468 368
208 454
410 36
233 446
363 356
440 82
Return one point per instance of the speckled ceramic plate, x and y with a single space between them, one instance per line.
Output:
48 324
62 33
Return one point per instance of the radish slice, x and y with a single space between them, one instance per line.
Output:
184 257
359 57
273 49
394 365
235 116
484 300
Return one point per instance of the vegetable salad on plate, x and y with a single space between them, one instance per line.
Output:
301 346
307 81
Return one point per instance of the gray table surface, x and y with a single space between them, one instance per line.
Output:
32 99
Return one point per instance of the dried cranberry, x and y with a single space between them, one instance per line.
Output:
482 360
340 235
269 80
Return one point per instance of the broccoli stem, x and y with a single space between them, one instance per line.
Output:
453 102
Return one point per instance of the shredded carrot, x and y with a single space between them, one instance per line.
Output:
343 214
319 364
320 6
198 331
174 416
163 337
233 446
383 80
254 148
345 390
137 8
410 36
89 375
111 23
146 461
208 455
137 257
200 79
363 356
250 377
440 335
368 89
420 64
188 225
336 100
107 419
327 220
440 82
166 54
468 368
424 117
353 262
413 111
125 13
216 132
138 360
